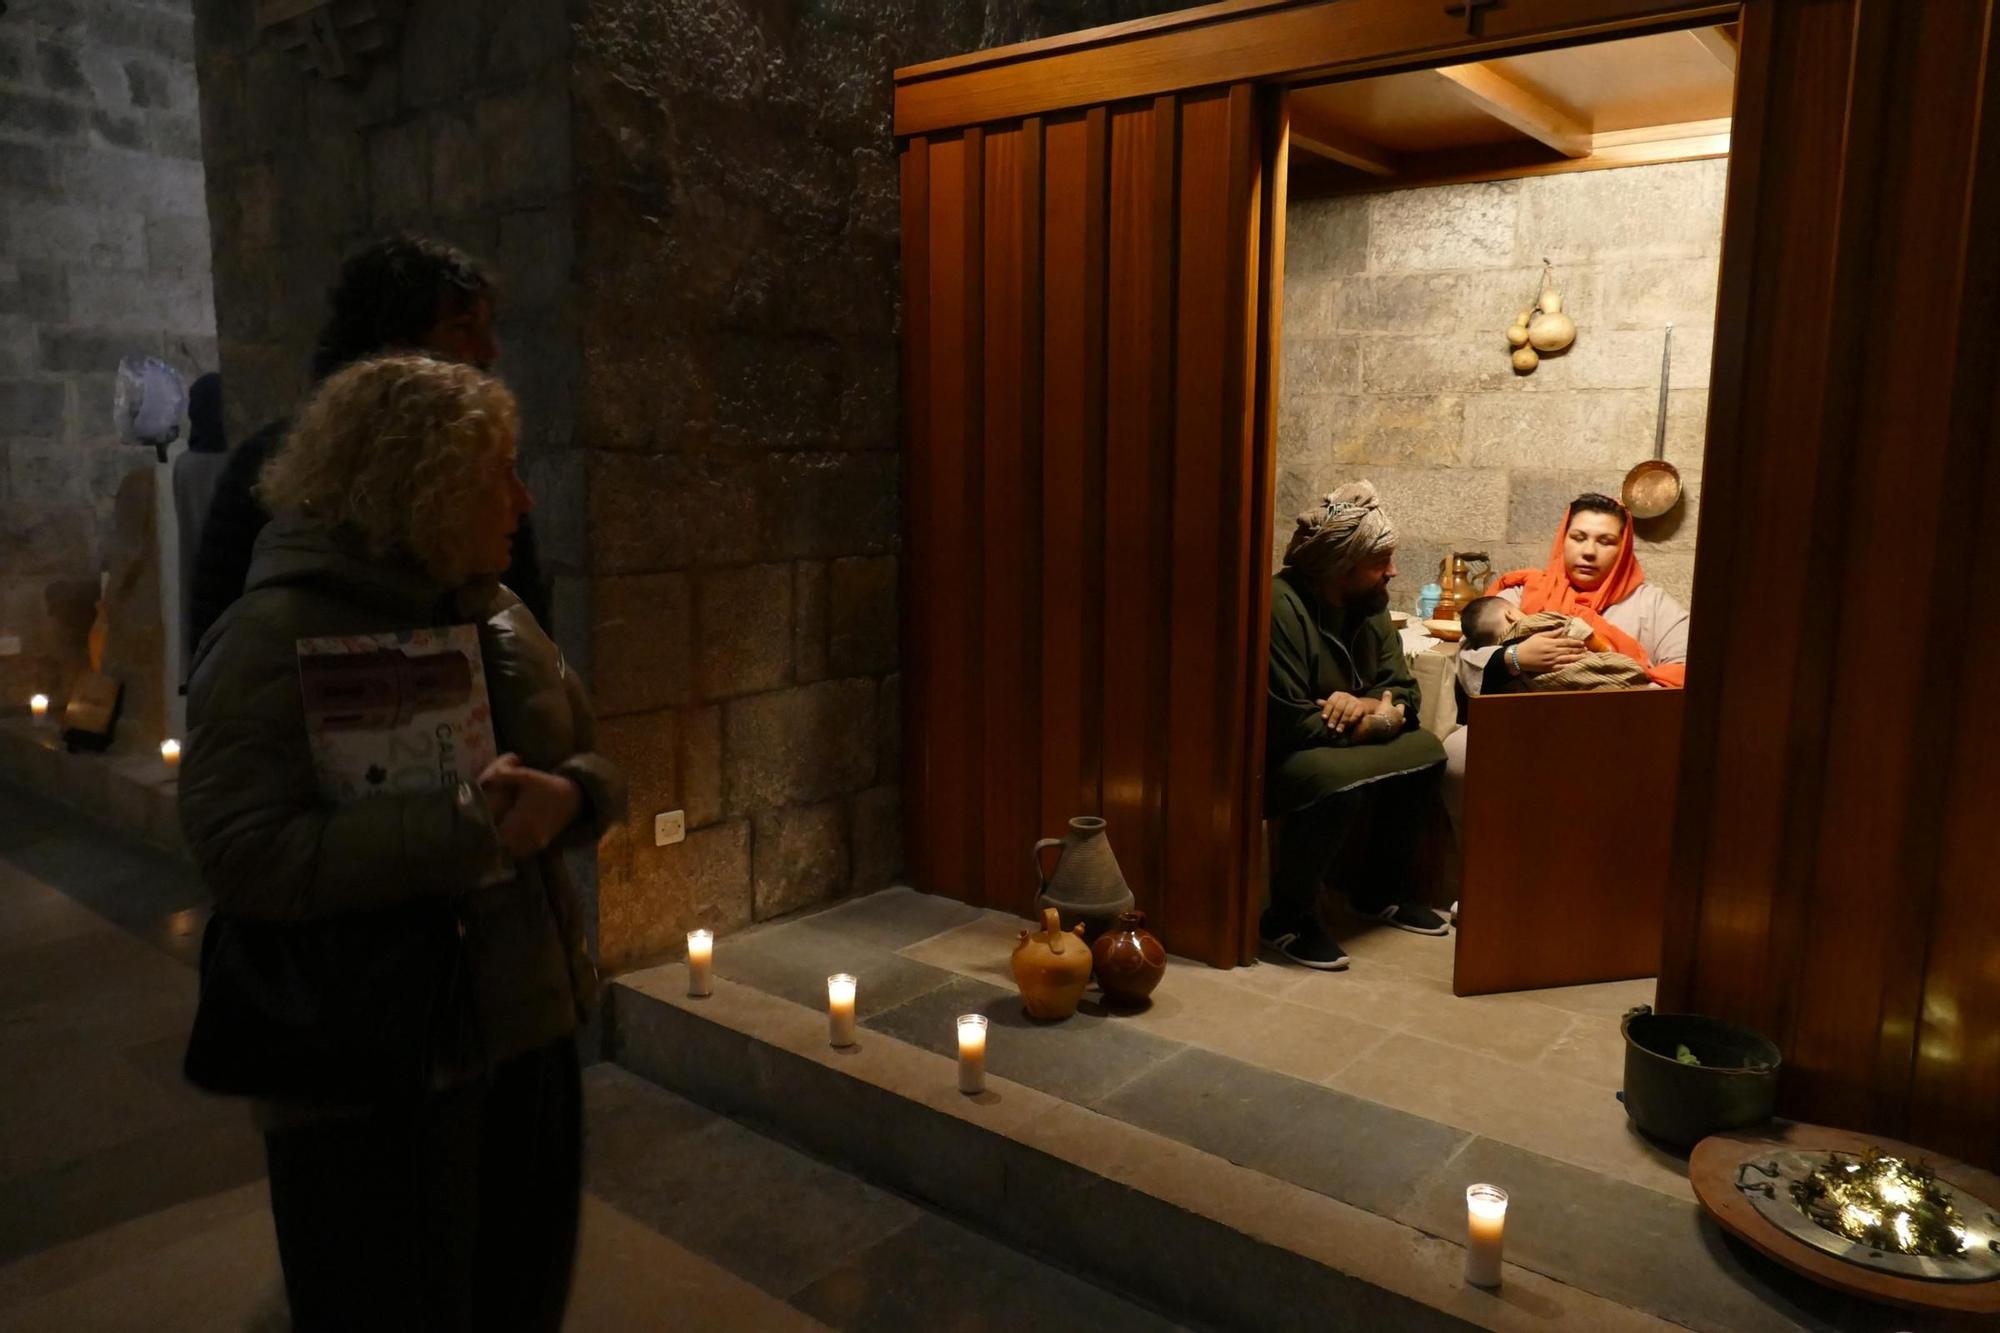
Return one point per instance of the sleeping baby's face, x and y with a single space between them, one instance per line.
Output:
1487 619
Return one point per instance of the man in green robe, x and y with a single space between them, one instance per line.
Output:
1349 770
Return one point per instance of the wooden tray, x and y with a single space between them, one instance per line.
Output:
1712 1171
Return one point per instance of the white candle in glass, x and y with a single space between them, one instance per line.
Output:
972 1053
840 1009
170 754
1485 1224
701 962
38 707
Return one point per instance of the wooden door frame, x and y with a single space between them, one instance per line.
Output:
1277 44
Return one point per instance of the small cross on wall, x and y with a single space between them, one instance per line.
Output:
1470 11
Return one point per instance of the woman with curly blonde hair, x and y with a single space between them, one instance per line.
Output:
425 1166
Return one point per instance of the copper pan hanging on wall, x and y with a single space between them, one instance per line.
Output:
1654 486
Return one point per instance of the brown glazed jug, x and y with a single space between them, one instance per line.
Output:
1051 966
1130 961
1087 885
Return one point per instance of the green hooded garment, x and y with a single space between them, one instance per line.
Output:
1317 651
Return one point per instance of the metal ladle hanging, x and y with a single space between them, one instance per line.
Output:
1654 486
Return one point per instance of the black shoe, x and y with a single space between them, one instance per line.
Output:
1307 944
1413 917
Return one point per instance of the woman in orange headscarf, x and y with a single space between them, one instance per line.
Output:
1592 573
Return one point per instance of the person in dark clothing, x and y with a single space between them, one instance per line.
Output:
1348 767
196 474
404 293
448 1202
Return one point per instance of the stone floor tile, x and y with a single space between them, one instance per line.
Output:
981 948
64 1104
1374 942
630 1277
773 1216
1603 999
1192 1004
1369 1155
136 1176
1592 1051
1081 1058
895 918
1299 1041
220 1273
1631 1244
904 1281
1386 995
794 960
1543 1112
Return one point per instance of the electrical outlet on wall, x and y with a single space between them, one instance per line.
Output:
10 645
669 827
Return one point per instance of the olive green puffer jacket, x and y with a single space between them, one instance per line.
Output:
272 849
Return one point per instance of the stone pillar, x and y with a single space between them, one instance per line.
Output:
106 257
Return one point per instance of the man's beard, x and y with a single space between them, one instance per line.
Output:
1370 603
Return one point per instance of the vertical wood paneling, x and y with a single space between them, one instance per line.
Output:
1088 508
1138 485
1008 566
919 532
1209 458
1252 625
1955 1085
951 733
1076 203
1828 887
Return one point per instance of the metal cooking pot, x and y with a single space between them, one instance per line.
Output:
1735 1085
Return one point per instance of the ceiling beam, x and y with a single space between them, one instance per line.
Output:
1529 112
1314 132
1719 43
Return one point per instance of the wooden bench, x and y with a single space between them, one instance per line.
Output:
1569 806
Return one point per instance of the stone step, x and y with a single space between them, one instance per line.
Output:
1183 1230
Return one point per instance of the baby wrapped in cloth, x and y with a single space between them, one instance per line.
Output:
1490 620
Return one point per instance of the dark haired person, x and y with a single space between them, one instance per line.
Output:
1593 575
404 293
196 474
1348 767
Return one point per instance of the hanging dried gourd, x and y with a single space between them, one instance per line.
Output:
1549 329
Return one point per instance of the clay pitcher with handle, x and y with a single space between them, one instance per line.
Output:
1086 884
1051 967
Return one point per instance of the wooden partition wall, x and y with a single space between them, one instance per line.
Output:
1834 881
1080 606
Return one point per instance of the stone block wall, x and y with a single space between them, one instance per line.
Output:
1396 362
461 131
694 206
738 209
105 255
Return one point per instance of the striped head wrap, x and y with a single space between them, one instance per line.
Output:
1346 527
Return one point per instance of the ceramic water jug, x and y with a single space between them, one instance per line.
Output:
1130 961
1051 967
1087 885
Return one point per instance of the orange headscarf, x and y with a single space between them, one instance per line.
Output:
1549 589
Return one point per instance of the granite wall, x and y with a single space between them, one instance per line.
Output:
694 205
105 255
737 210
1396 362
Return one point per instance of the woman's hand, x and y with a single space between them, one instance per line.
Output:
530 808
499 795
1550 650
1344 711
